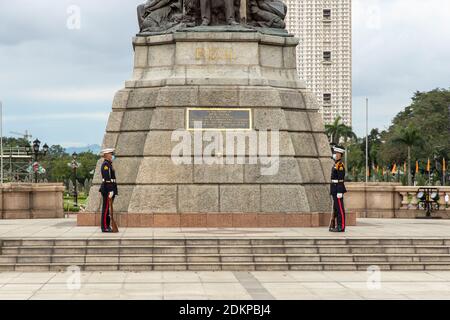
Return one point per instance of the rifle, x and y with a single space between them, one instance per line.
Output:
332 224
114 228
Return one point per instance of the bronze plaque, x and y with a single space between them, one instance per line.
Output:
219 119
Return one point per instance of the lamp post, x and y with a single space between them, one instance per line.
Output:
75 166
36 152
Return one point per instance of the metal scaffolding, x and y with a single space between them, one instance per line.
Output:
16 164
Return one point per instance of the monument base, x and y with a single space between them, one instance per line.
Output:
255 114
215 220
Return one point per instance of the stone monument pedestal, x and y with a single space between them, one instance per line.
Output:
236 79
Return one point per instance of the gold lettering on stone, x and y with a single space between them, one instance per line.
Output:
215 54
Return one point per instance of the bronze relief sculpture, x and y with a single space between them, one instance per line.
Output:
268 13
159 15
165 16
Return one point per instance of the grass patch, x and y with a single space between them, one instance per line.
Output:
69 204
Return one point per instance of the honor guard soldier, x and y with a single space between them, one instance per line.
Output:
108 188
338 190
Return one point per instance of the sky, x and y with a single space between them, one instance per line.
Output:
61 62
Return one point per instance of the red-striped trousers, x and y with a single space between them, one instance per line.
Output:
339 212
106 210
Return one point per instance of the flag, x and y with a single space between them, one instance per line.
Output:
444 165
394 169
429 165
404 168
417 166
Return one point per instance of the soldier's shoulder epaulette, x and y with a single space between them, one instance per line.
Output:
340 166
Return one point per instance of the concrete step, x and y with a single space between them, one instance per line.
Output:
225 254
262 266
258 246
227 241
200 258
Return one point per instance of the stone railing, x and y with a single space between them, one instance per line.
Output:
31 201
389 200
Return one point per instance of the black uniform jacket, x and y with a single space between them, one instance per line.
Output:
337 179
109 179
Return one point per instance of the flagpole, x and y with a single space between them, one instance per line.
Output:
367 140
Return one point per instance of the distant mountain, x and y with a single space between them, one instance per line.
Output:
94 148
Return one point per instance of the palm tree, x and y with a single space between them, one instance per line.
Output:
348 134
338 130
410 137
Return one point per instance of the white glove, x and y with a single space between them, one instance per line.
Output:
340 195
111 194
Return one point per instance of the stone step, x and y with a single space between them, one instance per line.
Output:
291 258
226 242
203 254
261 266
259 246
266 250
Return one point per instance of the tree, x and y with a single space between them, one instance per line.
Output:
375 143
409 137
57 165
429 114
15 142
57 151
338 130
355 159
88 161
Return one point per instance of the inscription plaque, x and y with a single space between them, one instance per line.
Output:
219 119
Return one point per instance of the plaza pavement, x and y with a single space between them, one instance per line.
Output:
225 286
298 285
379 228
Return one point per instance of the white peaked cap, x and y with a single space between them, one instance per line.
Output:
107 150
338 149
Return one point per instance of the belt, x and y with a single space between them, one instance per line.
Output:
109 181
337 181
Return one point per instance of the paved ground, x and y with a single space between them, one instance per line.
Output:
66 228
225 285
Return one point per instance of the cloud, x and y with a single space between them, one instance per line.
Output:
71 144
89 116
50 72
72 94
398 48
54 79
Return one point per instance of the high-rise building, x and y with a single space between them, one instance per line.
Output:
324 57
